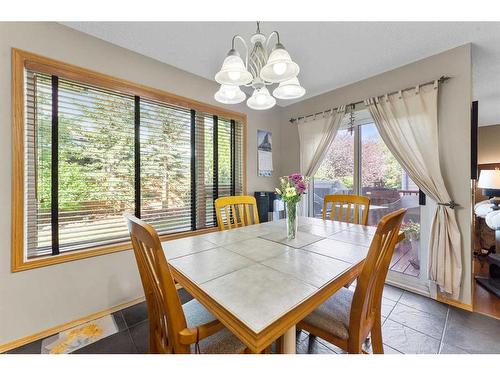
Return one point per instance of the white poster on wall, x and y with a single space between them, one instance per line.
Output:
264 153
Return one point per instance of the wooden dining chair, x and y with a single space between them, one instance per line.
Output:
236 211
347 318
174 328
343 205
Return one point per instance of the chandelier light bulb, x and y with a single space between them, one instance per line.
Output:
279 68
234 76
261 99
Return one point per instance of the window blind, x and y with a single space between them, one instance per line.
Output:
92 155
38 159
224 157
204 160
165 143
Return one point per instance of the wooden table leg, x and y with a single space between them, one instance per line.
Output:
289 341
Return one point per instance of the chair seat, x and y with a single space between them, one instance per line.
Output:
222 342
333 315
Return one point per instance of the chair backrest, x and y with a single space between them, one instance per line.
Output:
236 211
343 207
367 300
166 317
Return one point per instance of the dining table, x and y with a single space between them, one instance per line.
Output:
259 284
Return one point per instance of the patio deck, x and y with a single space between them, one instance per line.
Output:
401 261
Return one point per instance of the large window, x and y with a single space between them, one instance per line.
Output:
93 154
336 173
359 162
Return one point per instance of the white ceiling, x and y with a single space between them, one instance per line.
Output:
330 54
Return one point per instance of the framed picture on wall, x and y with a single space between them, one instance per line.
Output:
264 153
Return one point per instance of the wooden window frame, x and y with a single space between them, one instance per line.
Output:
22 60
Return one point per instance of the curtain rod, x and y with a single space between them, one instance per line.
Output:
297 119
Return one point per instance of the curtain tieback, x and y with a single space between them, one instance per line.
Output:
451 204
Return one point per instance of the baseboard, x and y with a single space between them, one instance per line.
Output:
62 327
419 289
455 303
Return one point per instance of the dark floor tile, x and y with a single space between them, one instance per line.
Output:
423 303
184 296
119 343
312 346
140 336
450 349
119 320
34 347
301 335
330 346
390 350
422 321
407 340
392 293
472 332
135 314
301 348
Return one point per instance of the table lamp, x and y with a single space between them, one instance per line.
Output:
489 183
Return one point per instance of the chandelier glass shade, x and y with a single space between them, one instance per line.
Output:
261 99
259 70
229 94
233 71
290 89
279 67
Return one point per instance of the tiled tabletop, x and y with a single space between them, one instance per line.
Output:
258 275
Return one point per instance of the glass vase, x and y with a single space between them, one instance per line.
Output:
291 220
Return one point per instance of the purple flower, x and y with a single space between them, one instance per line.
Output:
296 177
301 187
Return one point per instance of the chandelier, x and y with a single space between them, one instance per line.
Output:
259 70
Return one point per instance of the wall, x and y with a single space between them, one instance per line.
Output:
488 144
454 126
39 299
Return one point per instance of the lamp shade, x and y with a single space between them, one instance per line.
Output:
489 179
261 99
290 89
233 71
229 94
493 220
279 66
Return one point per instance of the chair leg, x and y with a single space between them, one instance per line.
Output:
376 334
355 345
152 349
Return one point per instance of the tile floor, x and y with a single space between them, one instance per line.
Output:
412 324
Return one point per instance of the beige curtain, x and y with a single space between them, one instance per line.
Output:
315 138
408 124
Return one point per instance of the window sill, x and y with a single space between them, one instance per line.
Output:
22 264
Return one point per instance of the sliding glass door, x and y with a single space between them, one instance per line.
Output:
390 188
336 174
358 162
